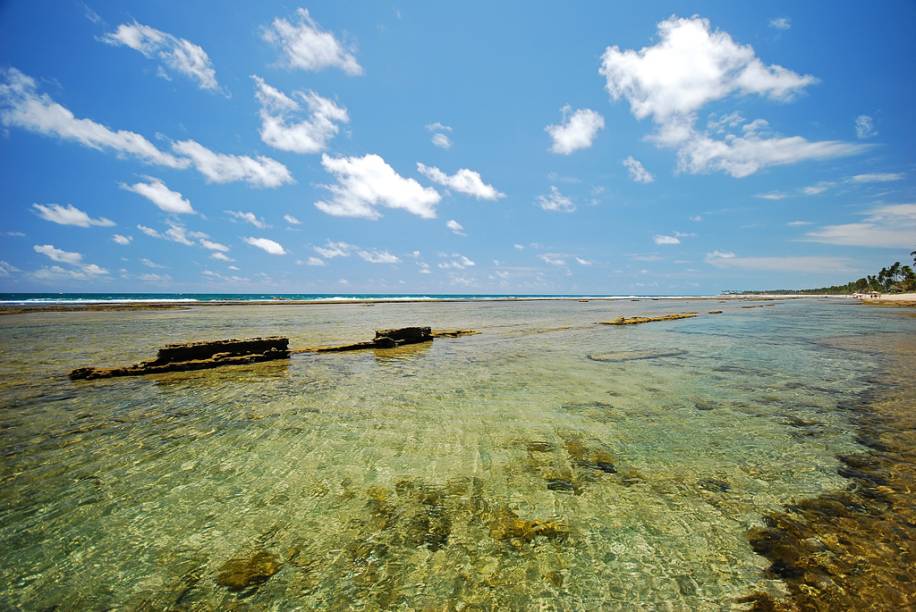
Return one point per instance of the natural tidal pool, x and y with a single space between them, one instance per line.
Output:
546 461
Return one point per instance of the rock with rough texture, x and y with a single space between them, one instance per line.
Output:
242 574
402 335
389 338
638 320
197 356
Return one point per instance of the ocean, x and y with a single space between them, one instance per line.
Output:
547 461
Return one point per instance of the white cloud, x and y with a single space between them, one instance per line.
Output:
691 66
311 261
149 277
464 181
122 239
149 263
890 226
798 223
306 46
865 127
442 141
220 168
583 262
247 217
378 257
455 261
149 231
817 188
554 259
778 264
638 172
178 233
455 227
518 247
555 201
877 177
334 249
291 219
366 183
696 218
220 256
577 131
179 54
662 239
22 106
83 270
281 127
772 195
780 23
69 215
59 255
156 192
266 244
438 127
213 246
6 269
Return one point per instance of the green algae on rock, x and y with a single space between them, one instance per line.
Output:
244 573
638 320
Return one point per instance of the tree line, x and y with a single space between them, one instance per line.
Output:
895 278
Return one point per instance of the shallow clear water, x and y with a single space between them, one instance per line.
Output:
405 478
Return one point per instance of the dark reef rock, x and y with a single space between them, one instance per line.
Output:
390 338
242 574
197 356
639 320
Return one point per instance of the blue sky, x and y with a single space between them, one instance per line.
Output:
653 148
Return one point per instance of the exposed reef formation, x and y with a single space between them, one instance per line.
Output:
638 320
197 356
391 338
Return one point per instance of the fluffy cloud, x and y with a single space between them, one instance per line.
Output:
122 239
877 177
555 201
577 131
442 141
728 260
311 261
221 256
210 245
266 244
149 231
691 66
22 106
306 46
156 192
282 129
455 227
366 183
334 249
454 261
891 226
865 127
780 23
149 263
464 181
774 196
58 255
7 269
247 217
666 240
81 271
179 54
69 215
817 188
220 168
291 219
638 172
553 259
378 257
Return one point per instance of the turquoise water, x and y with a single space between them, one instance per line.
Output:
411 477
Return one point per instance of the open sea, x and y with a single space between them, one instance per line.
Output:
546 461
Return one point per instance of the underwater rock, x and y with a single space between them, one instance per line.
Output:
714 485
507 526
701 405
621 356
638 320
453 332
244 573
403 335
197 356
714 312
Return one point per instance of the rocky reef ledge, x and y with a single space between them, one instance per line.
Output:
197 356
638 320
391 338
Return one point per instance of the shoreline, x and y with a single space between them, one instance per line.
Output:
23 307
